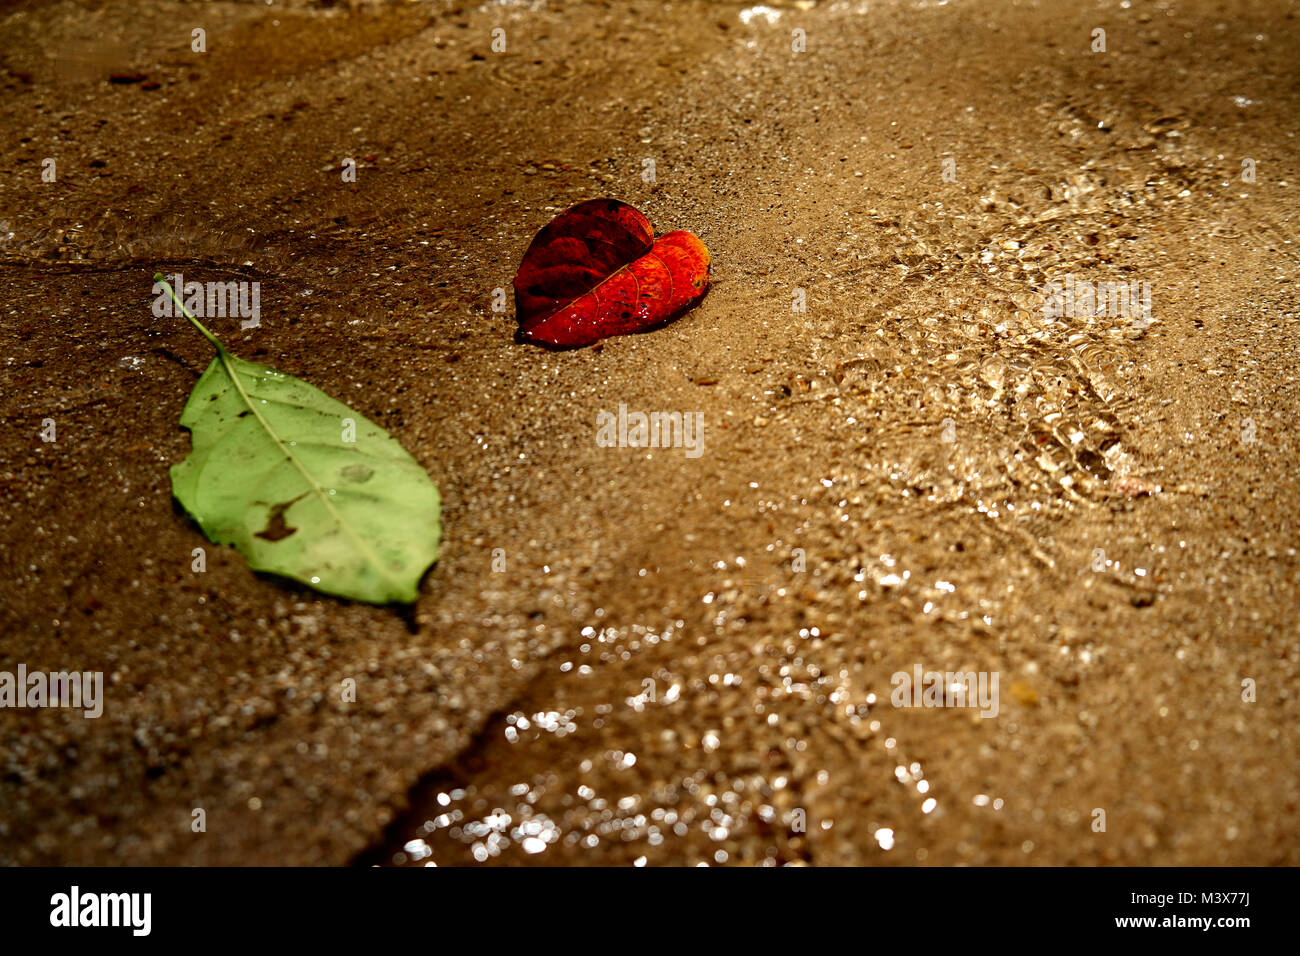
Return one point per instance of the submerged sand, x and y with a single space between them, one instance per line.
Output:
631 655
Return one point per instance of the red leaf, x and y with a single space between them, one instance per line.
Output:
596 270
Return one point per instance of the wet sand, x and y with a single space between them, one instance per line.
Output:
941 462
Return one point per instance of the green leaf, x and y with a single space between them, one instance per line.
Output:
273 473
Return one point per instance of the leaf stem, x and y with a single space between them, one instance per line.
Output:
158 277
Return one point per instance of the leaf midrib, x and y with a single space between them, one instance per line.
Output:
594 290
364 546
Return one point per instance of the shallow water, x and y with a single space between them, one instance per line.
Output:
681 660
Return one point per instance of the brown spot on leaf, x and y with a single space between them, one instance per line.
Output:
277 529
